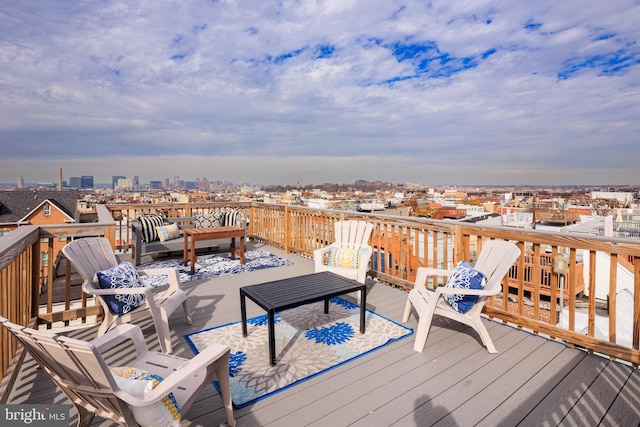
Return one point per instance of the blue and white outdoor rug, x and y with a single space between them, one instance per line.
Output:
308 343
214 265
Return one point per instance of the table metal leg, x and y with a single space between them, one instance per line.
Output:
243 313
193 254
363 308
272 337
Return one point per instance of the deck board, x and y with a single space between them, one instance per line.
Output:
550 364
454 381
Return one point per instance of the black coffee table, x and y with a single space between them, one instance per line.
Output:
295 291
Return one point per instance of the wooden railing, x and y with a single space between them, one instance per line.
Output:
544 277
22 282
401 245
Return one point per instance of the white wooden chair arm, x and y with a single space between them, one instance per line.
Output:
322 250
461 291
186 372
146 290
430 271
424 273
119 335
172 273
319 258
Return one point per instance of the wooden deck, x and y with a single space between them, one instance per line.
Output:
531 381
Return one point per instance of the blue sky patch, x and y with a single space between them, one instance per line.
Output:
608 64
178 40
531 25
198 28
325 51
430 62
605 36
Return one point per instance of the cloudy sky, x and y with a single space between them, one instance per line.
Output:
433 92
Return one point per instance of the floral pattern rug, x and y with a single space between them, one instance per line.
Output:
308 343
215 265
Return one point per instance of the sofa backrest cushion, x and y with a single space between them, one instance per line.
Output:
219 218
214 219
231 218
148 225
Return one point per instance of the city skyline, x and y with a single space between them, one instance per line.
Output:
177 181
514 93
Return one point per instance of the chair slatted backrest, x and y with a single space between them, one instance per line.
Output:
495 259
74 365
89 255
352 234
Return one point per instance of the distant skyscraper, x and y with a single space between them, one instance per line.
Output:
124 184
20 182
86 181
115 178
166 183
155 185
75 182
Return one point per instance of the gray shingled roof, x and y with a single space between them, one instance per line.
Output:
15 205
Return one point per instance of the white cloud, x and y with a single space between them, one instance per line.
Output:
414 91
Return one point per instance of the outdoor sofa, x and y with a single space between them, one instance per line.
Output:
153 234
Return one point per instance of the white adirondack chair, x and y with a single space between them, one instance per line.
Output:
495 260
93 254
353 236
81 372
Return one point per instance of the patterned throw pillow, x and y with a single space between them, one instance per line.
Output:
346 258
148 224
138 383
123 275
464 277
230 218
214 219
168 232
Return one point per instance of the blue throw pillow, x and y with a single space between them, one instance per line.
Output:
464 277
123 275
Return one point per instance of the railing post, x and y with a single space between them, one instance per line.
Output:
458 244
287 228
636 303
252 213
35 280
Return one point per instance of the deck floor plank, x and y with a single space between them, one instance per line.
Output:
555 406
454 381
421 399
625 406
600 394
553 362
489 389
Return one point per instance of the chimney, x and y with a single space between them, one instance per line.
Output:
60 180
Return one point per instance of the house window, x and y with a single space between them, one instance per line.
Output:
46 210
